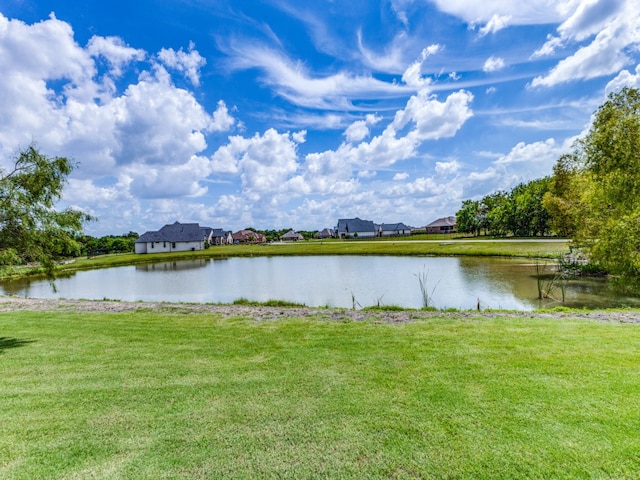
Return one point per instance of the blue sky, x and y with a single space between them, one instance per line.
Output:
289 114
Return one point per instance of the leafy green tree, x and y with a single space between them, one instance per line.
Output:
519 212
495 210
527 216
31 230
562 200
609 157
468 218
596 190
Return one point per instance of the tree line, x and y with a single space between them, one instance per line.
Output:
124 243
520 212
592 196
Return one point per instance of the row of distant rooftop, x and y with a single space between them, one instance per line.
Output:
191 236
356 227
347 227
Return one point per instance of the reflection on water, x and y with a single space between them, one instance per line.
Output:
172 266
335 281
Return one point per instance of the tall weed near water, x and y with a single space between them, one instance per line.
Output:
423 280
354 302
551 285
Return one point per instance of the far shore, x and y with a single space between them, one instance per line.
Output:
546 248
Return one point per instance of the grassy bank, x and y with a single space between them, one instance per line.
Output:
515 248
155 395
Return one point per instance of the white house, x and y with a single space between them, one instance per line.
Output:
355 228
219 236
177 237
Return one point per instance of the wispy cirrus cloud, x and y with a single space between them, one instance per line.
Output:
593 36
495 24
294 81
391 59
499 12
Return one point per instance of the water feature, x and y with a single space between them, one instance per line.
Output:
335 281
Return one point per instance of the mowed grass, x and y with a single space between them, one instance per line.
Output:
152 395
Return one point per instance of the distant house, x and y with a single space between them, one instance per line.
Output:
248 236
355 227
291 236
219 236
176 237
325 233
206 233
393 229
442 225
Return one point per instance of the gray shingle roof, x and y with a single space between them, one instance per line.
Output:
351 225
443 222
394 227
175 232
292 235
219 233
326 232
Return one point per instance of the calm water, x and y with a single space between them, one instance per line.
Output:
335 281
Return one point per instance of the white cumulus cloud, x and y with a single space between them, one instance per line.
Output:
264 162
144 139
624 79
610 28
447 168
359 130
188 63
115 52
493 64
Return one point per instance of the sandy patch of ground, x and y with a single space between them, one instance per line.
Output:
263 313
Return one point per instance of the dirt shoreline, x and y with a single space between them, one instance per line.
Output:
264 313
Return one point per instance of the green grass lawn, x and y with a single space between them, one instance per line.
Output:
151 395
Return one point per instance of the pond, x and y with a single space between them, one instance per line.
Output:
334 281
